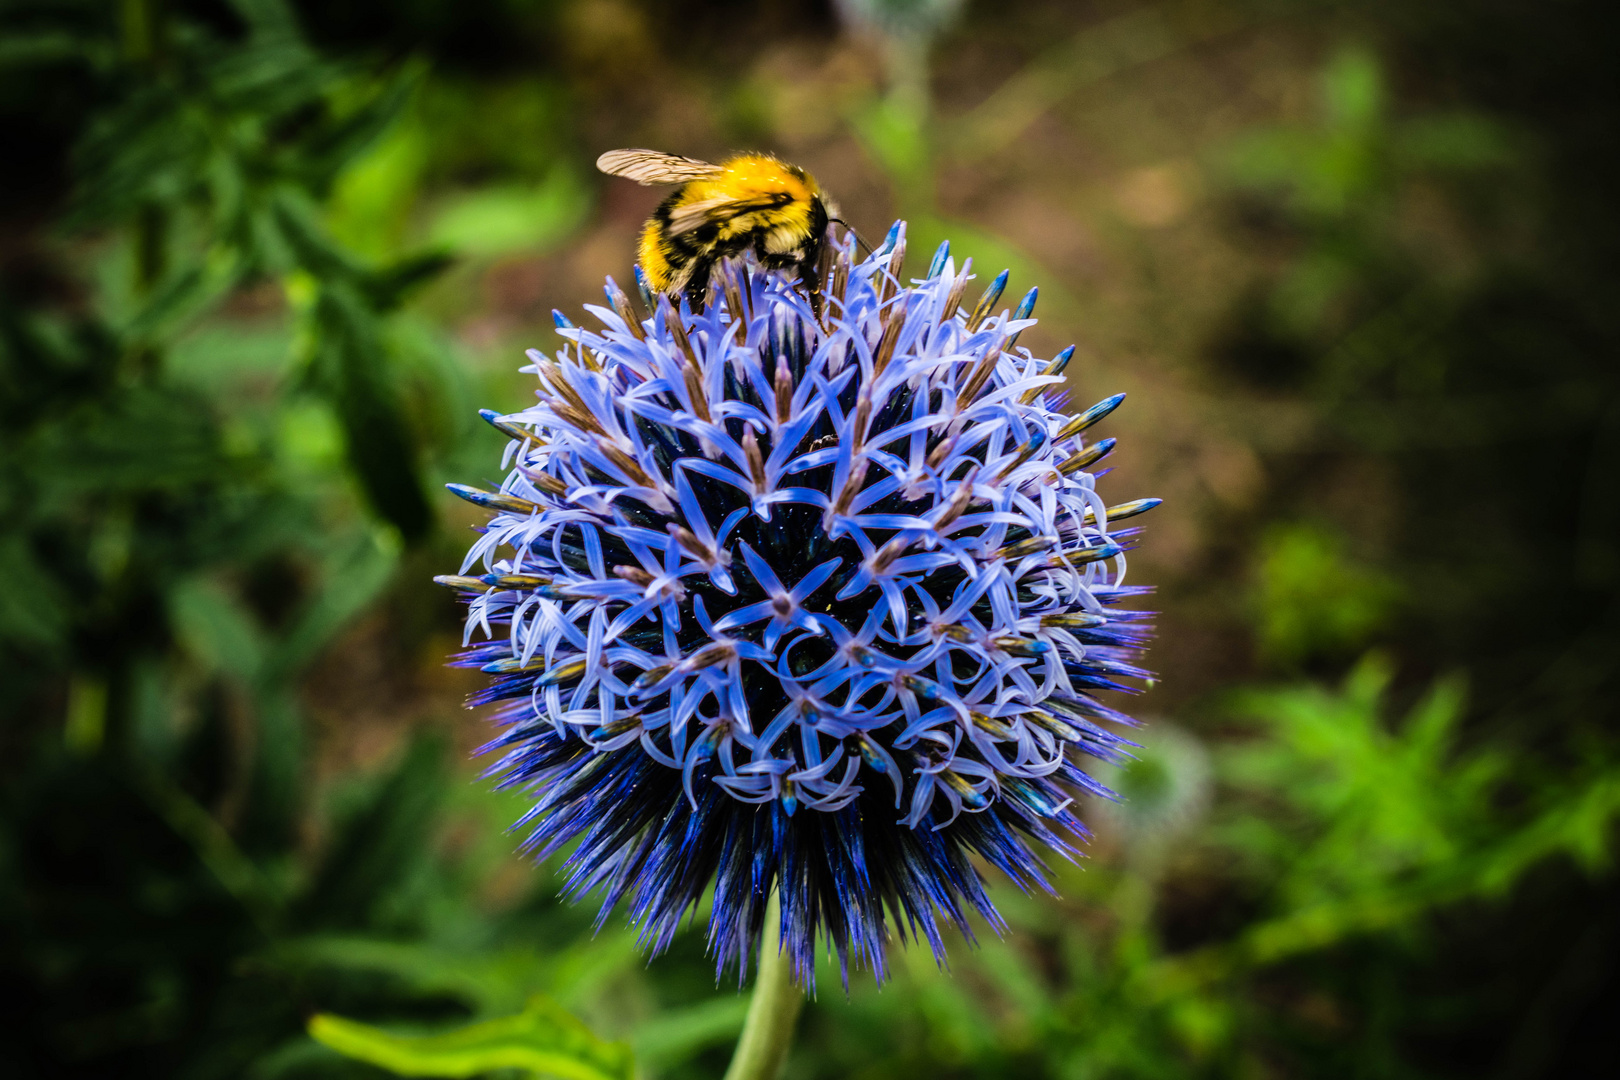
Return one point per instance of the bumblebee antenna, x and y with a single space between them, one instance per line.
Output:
852 229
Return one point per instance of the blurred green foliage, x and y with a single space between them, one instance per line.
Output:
1341 178
542 1039
1310 599
223 398
1341 827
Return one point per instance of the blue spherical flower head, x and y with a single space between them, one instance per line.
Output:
809 590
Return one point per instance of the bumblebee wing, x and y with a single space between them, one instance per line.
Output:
654 167
694 215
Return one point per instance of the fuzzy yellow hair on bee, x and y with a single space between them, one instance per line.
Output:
751 202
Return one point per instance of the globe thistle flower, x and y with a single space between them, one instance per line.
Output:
807 591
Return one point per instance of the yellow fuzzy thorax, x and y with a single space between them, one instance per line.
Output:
743 179
750 175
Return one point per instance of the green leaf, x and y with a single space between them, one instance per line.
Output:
1312 599
676 1036
23 49
217 629
387 286
182 296
353 364
894 137
372 198
1353 88
33 606
267 18
350 136
358 572
542 1039
498 978
500 220
143 440
377 848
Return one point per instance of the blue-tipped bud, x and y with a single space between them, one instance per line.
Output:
1089 417
492 500
645 289
988 301
1088 457
502 425
1061 361
891 238
1078 556
1131 509
515 581
1026 306
460 582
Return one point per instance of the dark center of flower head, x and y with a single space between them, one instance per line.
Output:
812 599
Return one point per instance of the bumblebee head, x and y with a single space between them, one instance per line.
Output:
762 176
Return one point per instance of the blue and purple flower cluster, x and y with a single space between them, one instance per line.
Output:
807 590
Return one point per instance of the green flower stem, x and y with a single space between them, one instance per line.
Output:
768 1031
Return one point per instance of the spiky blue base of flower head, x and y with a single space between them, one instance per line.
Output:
807 593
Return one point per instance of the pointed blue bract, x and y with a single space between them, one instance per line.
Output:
804 602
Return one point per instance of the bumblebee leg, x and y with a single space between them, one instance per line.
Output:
696 287
810 278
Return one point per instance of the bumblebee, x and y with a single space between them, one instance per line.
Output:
749 202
